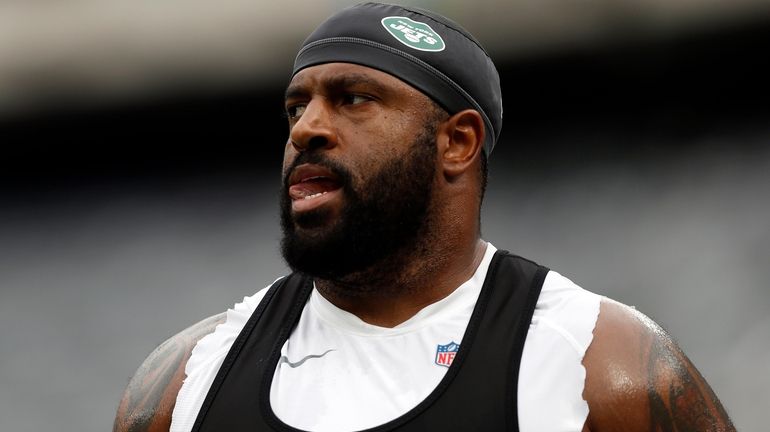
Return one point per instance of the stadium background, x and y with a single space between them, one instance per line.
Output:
141 147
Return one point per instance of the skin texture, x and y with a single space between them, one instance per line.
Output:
637 378
149 399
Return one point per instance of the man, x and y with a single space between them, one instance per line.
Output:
398 315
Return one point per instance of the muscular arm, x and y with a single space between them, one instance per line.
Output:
637 379
149 399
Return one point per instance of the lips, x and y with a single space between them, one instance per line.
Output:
312 185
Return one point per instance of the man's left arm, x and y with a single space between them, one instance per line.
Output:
638 379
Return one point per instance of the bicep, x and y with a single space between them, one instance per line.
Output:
149 398
637 378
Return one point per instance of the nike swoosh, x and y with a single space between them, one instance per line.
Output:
285 359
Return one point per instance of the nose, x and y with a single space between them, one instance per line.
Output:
314 129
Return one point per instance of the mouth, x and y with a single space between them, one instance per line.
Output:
311 186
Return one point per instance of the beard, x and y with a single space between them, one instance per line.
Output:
383 221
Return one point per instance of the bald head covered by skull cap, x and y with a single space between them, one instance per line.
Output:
426 50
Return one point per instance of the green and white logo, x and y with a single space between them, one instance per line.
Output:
413 34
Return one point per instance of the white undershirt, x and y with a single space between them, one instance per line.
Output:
358 375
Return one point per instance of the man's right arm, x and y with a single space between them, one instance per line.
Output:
149 399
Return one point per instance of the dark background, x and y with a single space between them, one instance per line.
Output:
618 101
637 167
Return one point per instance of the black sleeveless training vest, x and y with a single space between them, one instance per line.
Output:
478 392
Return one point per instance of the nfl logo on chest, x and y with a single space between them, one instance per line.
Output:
445 354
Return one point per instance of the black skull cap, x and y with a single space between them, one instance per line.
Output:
428 51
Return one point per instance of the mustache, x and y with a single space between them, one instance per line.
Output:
343 173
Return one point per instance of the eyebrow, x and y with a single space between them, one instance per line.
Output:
294 91
337 83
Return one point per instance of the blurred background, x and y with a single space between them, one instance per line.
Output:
141 144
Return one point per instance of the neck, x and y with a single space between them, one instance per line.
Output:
395 290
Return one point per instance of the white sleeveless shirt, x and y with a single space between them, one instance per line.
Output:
338 373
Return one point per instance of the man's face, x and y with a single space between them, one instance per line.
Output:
359 167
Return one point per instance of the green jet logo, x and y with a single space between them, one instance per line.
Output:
413 34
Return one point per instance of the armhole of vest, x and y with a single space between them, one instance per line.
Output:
305 286
235 351
533 294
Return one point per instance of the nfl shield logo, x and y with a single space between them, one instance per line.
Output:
445 354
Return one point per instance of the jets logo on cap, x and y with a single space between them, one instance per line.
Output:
413 34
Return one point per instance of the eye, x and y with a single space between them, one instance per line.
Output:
295 111
354 99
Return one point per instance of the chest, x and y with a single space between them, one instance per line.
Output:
478 391
331 379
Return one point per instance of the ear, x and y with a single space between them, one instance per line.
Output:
461 138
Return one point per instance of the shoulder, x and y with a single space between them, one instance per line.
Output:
552 377
637 378
149 398
565 314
